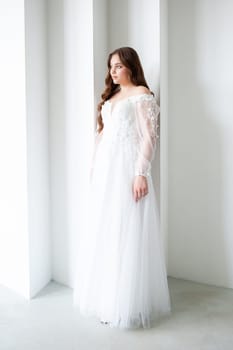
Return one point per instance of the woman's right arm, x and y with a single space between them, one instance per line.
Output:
98 136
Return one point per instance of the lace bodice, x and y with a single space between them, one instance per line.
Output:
134 121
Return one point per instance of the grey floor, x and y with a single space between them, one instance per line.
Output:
201 319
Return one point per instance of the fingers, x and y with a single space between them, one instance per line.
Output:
144 192
139 193
135 195
139 188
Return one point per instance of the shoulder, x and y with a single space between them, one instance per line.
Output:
142 93
145 99
142 90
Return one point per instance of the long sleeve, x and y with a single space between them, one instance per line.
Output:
147 116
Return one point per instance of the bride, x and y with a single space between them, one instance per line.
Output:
120 271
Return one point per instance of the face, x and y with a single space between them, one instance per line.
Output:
118 72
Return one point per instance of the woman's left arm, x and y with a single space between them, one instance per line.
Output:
147 123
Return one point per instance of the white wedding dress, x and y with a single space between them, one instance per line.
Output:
120 272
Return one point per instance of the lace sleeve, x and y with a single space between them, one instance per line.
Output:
147 116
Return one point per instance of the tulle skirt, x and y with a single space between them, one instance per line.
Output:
120 274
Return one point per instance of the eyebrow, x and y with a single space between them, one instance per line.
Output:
115 64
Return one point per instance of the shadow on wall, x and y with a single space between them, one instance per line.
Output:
118 24
131 16
197 247
58 145
124 28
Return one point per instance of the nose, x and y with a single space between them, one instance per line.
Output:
112 70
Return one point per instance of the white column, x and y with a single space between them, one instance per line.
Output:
140 28
57 138
24 202
79 115
164 123
80 36
200 129
14 258
71 125
37 144
100 45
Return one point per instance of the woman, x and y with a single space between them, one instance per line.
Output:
121 273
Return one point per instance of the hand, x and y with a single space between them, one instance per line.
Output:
140 187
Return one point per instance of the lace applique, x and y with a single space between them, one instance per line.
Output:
147 121
134 125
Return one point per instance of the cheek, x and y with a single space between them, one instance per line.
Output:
124 72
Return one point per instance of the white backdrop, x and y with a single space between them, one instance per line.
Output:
55 53
200 121
25 259
14 259
85 41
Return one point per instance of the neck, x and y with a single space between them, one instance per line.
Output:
126 87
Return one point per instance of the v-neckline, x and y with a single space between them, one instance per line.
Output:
113 105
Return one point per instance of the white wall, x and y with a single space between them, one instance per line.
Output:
71 125
164 122
57 141
100 38
24 186
136 23
139 28
14 259
198 107
79 114
81 34
200 79
37 144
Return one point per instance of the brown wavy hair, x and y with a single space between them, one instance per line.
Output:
130 59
